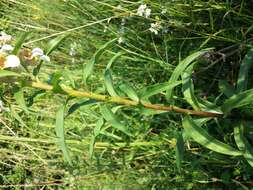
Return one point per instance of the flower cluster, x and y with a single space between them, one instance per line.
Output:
155 27
143 10
8 60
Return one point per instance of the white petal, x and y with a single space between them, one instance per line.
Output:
11 61
2 108
45 58
6 48
37 52
147 13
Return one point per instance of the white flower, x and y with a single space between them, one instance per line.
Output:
2 108
4 38
37 52
147 13
6 48
11 61
155 28
143 11
121 40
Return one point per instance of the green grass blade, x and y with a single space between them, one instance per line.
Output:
238 100
20 42
226 88
242 80
20 99
243 144
149 91
181 68
96 132
202 137
54 43
109 83
6 73
59 129
129 91
188 88
179 151
88 68
111 118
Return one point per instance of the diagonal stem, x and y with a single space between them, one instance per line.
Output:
120 100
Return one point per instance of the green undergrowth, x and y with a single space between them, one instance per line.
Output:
203 48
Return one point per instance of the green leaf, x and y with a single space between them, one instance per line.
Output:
6 73
179 151
17 117
243 144
242 80
54 43
149 91
188 88
111 118
79 104
202 137
238 100
96 132
129 91
60 134
20 42
20 99
55 82
181 68
88 68
109 83
226 88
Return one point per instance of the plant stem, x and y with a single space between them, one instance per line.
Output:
120 100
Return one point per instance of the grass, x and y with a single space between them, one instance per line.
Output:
64 142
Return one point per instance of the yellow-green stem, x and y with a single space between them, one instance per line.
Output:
122 101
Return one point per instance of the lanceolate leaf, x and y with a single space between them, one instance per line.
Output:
202 137
54 43
61 135
109 83
243 144
157 88
226 88
238 100
242 80
19 96
6 73
20 42
88 68
129 91
181 68
111 118
188 89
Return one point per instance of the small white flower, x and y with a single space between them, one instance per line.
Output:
2 108
45 58
6 48
147 13
121 40
37 52
11 61
143 11
155 28
5 38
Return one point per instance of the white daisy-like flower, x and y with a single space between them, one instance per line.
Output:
6 48
37 52
11 61
3 108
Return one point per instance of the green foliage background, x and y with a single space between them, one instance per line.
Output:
29 152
